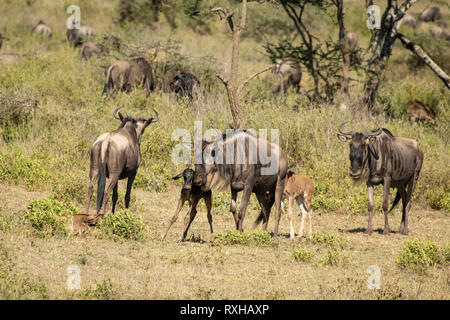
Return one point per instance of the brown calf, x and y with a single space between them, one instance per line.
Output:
193 194
420 111
299 187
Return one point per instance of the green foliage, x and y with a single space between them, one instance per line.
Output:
302 255
69 188
334 257
45 216
102 291
123 225
156 180
439 199
419 255
329 239
243 238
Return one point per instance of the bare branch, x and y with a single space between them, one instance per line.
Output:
253 76
225 13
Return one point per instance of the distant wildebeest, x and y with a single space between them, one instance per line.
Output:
116 155
420 111
291 69
442 24
431 14
88 49
1 39
351 41
125 75
410 21
77 36
245 163
192 194
380 158
299 187
185 84
42 28
8 58
437 32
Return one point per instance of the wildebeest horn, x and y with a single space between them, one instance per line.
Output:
157 115
373 134
115 112
350 133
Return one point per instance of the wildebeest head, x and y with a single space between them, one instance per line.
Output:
188 176
360 147
139 123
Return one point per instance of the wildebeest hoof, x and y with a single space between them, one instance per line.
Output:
386 231
368 232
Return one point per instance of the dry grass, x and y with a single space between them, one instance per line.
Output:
195 269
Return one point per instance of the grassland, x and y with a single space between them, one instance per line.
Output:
44 154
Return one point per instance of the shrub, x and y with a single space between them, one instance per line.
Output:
302 255
329 239
45 216
123 224
419 255
101 291
438 199
334 258
244 238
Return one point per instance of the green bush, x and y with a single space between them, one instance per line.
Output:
419 255
45 216
243 238
438 199
334 258
302 255
101 291
329 239
123 225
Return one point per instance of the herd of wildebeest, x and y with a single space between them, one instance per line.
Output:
376 158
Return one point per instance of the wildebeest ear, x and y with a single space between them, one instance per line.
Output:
178 176
343 137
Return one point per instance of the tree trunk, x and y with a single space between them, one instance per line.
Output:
425 58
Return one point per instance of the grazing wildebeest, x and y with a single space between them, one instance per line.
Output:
287 67
351 41
299 187
442 24
380 158
116 155
245 163
77 36
410 21
431 14
42 28
420 111
88 49
185 84
193 194
127 74
437 32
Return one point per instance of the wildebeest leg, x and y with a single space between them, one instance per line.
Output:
370 209
189 218
175 216
387 188
304 214
278 195
404 195
291 217
233 207
411 187
112 182
129 186
208 203
91 190
247 192
115 196
266 203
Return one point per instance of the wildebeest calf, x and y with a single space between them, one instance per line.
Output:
193 194
420 111
88 49
299 187
42 28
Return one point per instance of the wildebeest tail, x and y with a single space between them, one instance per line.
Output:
108 81
261 217
101 181
396 200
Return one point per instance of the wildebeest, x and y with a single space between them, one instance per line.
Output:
245 163
127 74
431 14
88 49
299 187
77 36
351 41
83 222
381 158
116 155
42 28
410 21
291 69
437 32
193 194
185 84
420 111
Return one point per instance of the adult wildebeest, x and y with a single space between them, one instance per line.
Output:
380 158
287 67
88 49
127 74
116 155
77 36
420 111
42 28
351 41
193 194
245 163
431 14
410 21
185 84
